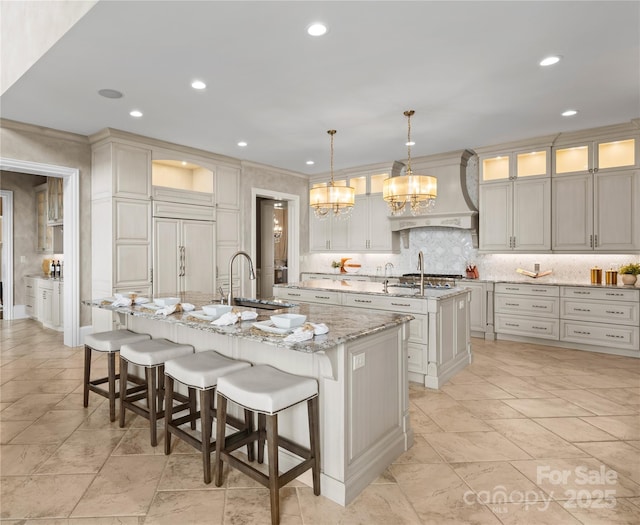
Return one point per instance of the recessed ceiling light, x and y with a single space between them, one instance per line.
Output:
198 84
310 163
317 29
550 60
242 144
184 163
569 113
410 143
110 93
135 113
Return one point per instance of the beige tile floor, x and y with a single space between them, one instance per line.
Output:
527 434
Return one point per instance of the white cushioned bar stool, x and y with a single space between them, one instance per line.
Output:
200 372
151 355
268 391
109 343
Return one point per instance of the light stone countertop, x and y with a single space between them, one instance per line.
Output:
344 323
372 288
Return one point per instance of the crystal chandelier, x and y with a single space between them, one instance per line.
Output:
330 199
277 230
419 191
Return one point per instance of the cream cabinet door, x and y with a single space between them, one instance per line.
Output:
132 171
358 226
616 210
198 256
166 256
227 187
496 216
572 212
132 239
532 215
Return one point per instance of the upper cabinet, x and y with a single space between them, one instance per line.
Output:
368 228
596 192
515 197
44 232
55 206
596 155
514 165
121 170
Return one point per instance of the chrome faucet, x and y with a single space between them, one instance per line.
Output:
421 269
386 286
252 274
386 267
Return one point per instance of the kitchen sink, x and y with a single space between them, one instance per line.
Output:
263 305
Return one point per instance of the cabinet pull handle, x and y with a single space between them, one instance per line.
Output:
510 288
512 304
541 290
614 336
614 312
291 294
614 294
400 304
582 309
322 297
591 241
581 332
512 324
539 328
581 293
595 242
360 301
540 306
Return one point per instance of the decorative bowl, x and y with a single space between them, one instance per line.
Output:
288 320
216 310
166 301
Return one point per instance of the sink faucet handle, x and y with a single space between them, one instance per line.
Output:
221 292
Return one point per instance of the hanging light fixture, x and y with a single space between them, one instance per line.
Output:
420 191
277 230
331 199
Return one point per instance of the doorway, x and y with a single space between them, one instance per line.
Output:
275 239
71 248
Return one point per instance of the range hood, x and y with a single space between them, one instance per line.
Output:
453 207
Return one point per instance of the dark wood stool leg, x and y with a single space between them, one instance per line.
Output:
124 377
87 373
152 401
111 363
272 451
206 422
168 416
314 439
160 386
193 408
261 434
248 424
221 421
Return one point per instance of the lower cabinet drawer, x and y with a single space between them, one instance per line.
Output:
415 354
307 296
617 312
617 336
526 305
537 327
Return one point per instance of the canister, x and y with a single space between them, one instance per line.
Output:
596 275
611 277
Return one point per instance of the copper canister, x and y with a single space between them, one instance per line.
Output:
596 275
611 277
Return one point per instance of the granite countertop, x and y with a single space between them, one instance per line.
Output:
373 288
344 323
553 282
45 277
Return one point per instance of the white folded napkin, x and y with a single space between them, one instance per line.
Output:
168 310
121 300
299 334
319 328
226 319
141 300
232 317
248 315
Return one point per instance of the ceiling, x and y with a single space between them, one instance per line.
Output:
469 69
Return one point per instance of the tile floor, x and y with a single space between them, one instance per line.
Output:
526 434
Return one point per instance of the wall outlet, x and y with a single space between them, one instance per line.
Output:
358 361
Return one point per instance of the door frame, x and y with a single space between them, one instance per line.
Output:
71 245
293 225
7 254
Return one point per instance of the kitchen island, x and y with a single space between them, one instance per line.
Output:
360 365
439 343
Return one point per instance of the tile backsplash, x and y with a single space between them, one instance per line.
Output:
449 250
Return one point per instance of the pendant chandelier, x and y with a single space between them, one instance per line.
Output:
332 200
419 191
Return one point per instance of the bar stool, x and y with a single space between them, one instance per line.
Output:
200 372
109 342
268 391
151 355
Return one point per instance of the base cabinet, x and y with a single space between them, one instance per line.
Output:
439 343
45 301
